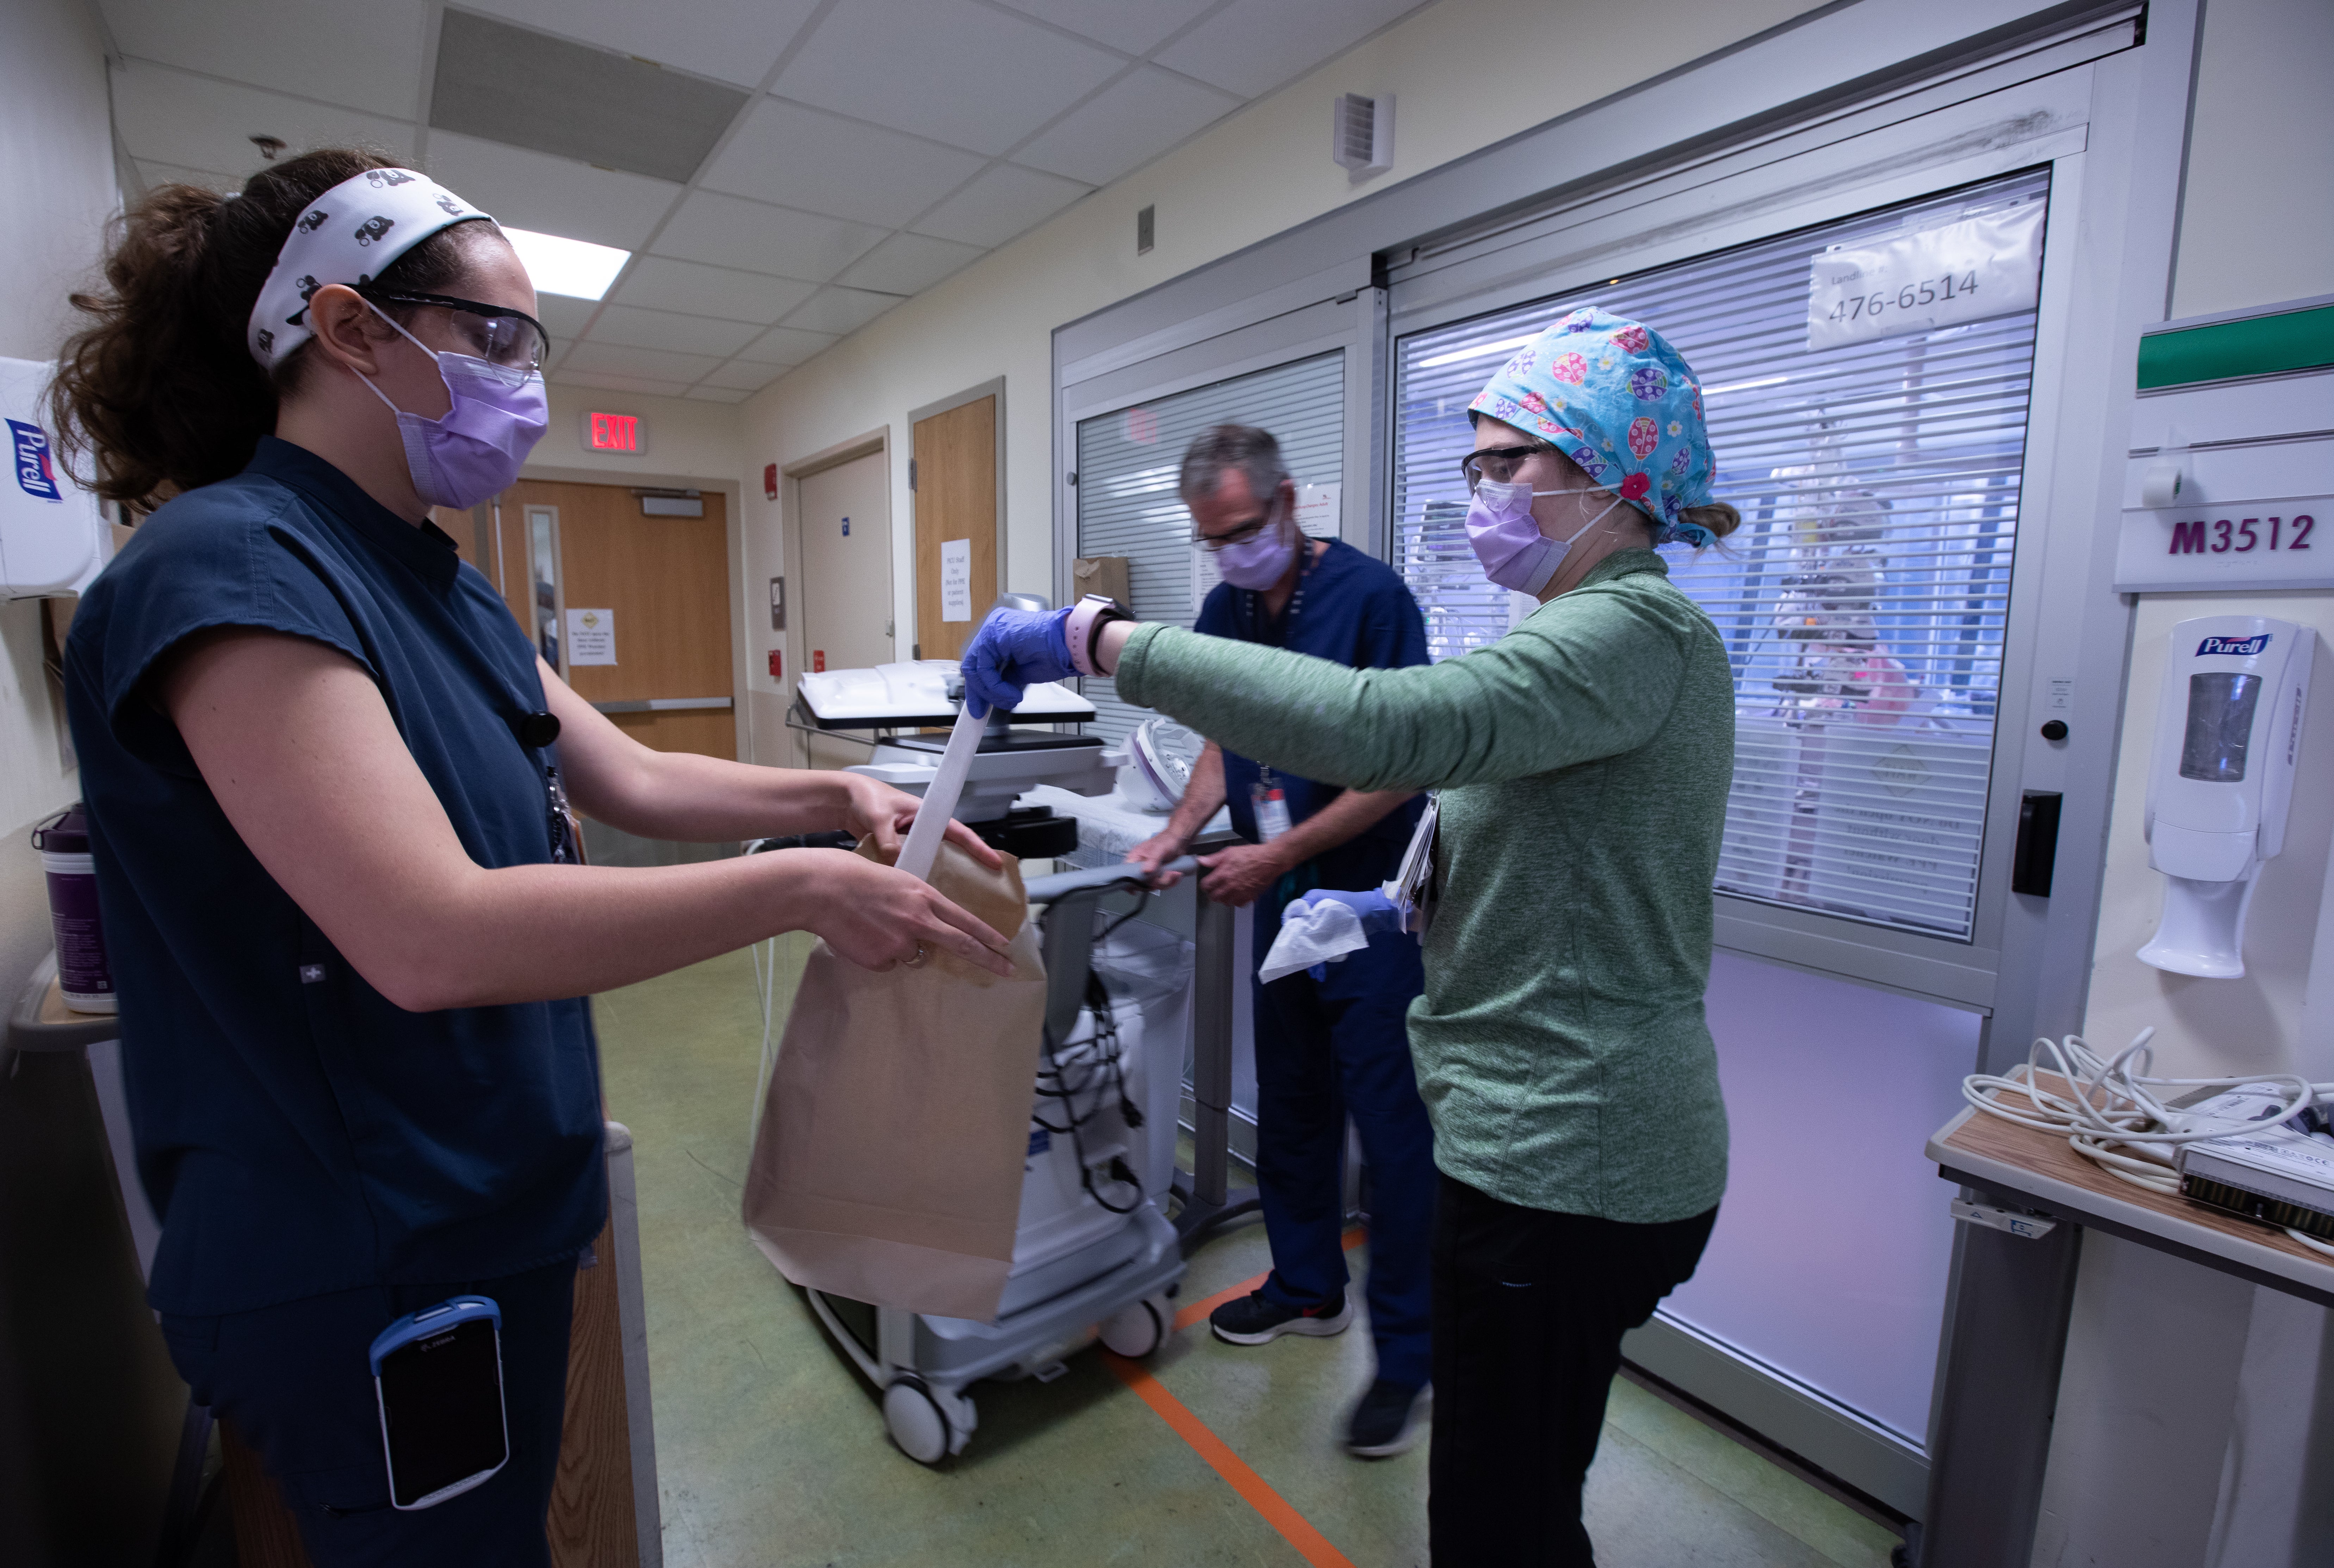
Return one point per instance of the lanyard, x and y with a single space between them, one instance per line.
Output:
1253 602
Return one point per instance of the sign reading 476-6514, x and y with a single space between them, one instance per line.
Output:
1981 267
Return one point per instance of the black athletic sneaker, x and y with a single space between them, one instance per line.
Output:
1385 1422
1255 1320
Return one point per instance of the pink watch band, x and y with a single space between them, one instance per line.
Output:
1088 618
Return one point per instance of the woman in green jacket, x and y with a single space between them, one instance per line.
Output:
1583 761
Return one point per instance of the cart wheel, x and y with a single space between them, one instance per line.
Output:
913 1418
1138 1328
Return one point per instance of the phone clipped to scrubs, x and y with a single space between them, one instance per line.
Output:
439 1376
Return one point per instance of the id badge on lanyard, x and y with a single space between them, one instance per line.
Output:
1271 804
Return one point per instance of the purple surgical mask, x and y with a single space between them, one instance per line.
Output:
1258 563
1506 538
477 448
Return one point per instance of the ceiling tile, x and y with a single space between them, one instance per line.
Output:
743 376
633 327
951 70
1137 29
199 124
784 346
1253 46
365 53
563 318
716 395
550 195
660 364
726 231
803 158
908 264
729 39
663 283
840 310
527 89
651 384
1002 203
155 174
1132 123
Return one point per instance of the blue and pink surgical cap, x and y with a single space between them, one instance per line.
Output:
1613 396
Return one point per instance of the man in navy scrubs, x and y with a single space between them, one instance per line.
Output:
1336 1045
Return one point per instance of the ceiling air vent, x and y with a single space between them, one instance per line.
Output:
1363 138
508 85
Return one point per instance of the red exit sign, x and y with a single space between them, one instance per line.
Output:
615 433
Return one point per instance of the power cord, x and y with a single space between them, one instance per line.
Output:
1105 1077
2116 1120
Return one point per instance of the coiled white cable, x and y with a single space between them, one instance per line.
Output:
2114 1119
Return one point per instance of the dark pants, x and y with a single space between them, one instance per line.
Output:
296 1382
1324 1050
1529 1308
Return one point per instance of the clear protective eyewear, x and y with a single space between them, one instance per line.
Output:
510 344
1498 464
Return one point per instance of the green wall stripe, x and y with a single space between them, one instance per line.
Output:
2255 346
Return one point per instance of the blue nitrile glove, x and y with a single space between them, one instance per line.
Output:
1377 912
1014 648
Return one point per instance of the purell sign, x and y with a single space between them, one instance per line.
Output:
2232 646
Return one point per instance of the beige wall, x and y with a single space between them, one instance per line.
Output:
1465 73
2257 222
56 161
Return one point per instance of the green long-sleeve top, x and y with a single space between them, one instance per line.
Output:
1584 759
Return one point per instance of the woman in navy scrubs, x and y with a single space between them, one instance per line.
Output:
323 769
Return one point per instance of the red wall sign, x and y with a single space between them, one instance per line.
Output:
770 480
615 433
777 665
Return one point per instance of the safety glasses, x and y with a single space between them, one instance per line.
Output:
1498 464
512 343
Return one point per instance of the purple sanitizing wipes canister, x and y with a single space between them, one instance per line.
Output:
81 972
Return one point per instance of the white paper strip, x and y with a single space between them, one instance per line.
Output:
924 835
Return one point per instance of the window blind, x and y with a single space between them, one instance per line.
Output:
1864 600
1128 463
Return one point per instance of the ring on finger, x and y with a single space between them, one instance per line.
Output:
921 953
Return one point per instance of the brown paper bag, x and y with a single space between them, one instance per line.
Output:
888 1166
1102 574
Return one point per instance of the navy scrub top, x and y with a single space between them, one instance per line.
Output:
1350 609
297 1132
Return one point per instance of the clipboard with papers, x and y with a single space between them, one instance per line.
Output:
1412 890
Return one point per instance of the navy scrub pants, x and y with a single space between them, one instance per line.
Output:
1324 1050
295 1380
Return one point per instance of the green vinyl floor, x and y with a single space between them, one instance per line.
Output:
771 1451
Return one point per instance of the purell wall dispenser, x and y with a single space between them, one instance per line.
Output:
53 539
2227 734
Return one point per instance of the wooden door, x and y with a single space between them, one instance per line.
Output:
845 594
956 525
651 594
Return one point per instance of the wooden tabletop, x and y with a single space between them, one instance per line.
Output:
1988 1152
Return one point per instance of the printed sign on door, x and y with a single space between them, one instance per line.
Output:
955 580
590 637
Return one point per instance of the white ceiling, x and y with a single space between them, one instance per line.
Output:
885 145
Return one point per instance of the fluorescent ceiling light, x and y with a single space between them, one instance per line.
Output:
1479 352
575 267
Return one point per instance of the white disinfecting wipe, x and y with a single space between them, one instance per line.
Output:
1310 934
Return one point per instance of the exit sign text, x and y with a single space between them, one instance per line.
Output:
615 433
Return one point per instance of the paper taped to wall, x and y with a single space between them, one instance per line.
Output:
1963 272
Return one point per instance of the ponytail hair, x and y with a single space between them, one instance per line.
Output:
159 391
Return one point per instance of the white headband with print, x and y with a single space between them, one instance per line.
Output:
350 234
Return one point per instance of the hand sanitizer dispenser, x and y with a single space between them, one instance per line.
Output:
2228 736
